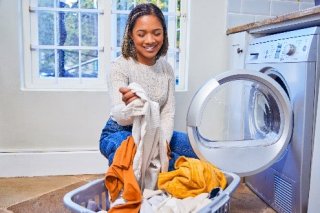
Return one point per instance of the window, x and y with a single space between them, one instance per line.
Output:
64 44
69 44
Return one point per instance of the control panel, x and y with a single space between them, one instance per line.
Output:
292 49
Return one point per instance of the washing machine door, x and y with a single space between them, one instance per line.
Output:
240 121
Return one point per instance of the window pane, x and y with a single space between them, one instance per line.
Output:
46 28
68 63
125 4
178 5
46 63
68 3
178 32
89 4
89 29
116 53
89 63
45 3
166 20
177 68
121 24
173 58
141 1
68 30
162 4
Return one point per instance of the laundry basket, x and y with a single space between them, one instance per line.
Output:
78 199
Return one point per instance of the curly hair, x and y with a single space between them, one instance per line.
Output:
128 49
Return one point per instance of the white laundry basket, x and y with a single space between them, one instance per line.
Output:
77 200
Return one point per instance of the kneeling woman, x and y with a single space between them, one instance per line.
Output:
145 41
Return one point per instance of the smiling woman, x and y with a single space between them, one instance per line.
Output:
147 36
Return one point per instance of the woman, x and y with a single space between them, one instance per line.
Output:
145 41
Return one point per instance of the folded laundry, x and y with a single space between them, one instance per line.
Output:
191 178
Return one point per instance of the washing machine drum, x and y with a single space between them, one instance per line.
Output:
240 121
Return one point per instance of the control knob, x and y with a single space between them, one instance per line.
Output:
289 49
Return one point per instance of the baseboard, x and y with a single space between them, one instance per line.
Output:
52 163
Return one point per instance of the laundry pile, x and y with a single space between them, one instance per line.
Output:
138 179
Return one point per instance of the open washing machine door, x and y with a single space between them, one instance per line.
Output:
240 121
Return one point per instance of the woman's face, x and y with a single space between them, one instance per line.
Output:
147 36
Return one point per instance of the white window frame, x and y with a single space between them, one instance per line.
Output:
30 74
33 81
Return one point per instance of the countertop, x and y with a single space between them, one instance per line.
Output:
291 21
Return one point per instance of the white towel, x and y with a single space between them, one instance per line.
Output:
151 155
160 202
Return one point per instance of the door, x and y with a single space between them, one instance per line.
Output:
240 121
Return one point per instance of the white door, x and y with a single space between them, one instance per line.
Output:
240 121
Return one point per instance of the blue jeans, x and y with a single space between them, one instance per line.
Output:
113 134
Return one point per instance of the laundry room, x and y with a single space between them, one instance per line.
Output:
245 83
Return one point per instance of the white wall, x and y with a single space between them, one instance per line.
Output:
41 120
207 50
67 121
247 11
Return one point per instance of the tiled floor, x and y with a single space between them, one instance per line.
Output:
44 194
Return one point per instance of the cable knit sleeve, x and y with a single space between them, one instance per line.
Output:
168 109
118 77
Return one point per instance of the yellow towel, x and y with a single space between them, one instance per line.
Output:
191 178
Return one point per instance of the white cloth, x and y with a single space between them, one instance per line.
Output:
118 201
151 155
159 202
158 81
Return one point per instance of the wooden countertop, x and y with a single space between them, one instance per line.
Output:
296 20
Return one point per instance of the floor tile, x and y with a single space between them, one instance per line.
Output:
15 190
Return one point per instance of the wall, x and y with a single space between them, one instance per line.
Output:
207 50
41 120
247 11
45 133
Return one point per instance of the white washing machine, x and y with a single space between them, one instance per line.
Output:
259 122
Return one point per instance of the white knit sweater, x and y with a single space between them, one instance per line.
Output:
157 81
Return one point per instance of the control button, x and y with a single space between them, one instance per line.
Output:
267 54
289 49
239 50
304 48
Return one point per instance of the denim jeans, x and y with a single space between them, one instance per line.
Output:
113 134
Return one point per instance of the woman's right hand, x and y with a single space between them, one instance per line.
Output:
127 95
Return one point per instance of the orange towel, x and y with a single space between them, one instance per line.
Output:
191 178
120 177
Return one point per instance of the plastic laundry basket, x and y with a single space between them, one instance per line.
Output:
77 200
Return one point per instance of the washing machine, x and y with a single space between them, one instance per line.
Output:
259 122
